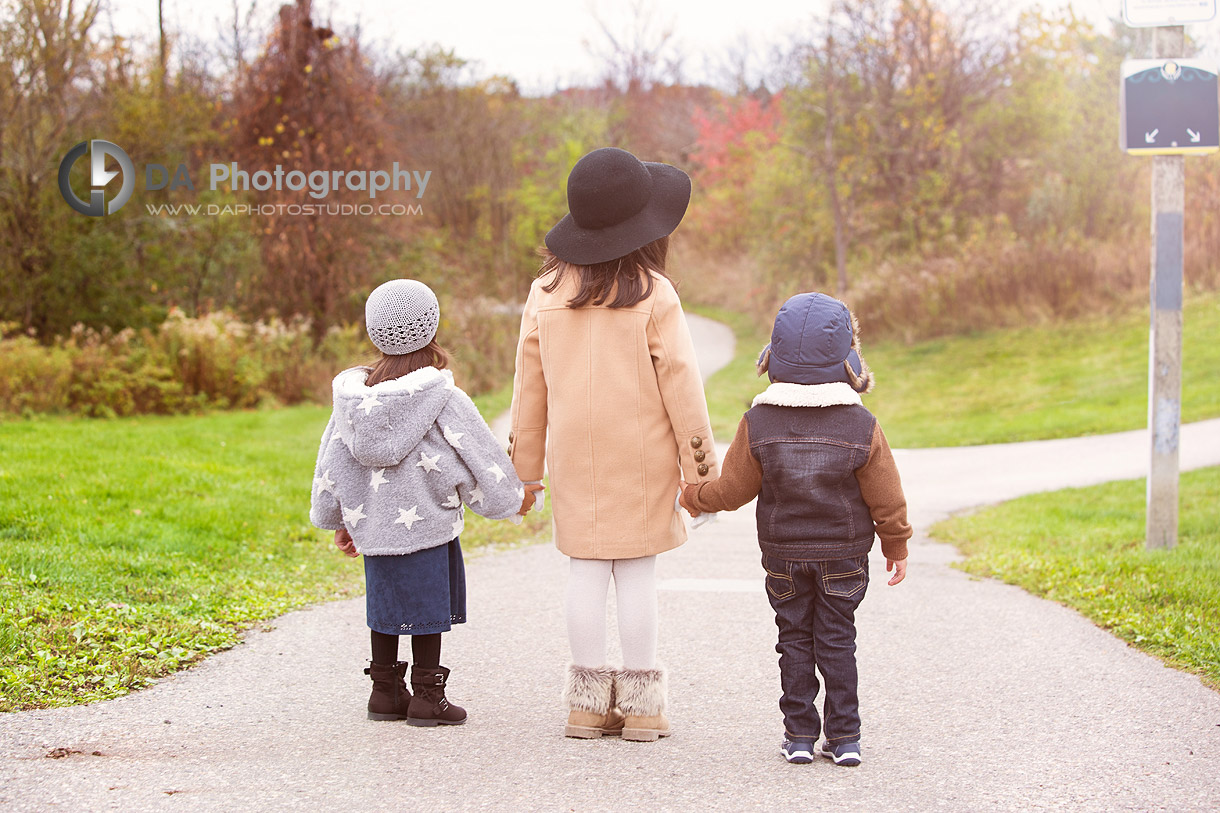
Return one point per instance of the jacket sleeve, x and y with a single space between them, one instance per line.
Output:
324 510
493 490
681 385
739 482
881 488
527 436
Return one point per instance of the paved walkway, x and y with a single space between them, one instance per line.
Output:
976 696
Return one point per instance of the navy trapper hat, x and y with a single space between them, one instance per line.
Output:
814 342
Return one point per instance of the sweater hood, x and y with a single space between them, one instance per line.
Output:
380 425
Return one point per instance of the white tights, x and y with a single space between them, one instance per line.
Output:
635 591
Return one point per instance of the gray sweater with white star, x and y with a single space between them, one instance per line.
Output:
399 459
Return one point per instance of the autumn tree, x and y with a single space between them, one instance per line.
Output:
44 60
311 103
1065 94
736 137
468 132
887 111
641 82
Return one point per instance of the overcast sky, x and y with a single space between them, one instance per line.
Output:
542 43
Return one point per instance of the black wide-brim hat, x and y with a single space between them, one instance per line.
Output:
617 204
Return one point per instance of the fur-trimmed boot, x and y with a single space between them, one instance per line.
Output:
641 697
589 694
429 707
390 698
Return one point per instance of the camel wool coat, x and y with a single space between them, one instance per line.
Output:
612 400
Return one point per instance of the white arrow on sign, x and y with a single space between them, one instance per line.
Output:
1151 137
1193 135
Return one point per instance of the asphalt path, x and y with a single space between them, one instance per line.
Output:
975 695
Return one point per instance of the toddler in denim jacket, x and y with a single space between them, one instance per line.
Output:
826 484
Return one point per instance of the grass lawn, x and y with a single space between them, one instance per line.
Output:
1043 382
131 548
1085 548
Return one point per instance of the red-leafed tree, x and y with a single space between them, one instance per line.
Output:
733 140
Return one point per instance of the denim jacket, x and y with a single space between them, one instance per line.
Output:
822 471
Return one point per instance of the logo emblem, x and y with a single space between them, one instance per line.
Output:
99 177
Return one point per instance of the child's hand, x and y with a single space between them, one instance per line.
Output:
682 499
345 543
528 502
899 566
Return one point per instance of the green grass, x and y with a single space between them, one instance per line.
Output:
1083 378
131 548
731 388
1085 548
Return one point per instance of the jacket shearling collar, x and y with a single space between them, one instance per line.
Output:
808 395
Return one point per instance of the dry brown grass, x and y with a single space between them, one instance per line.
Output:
982 285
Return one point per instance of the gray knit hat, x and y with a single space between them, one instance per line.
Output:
402 316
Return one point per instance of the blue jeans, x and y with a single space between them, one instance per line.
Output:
815 605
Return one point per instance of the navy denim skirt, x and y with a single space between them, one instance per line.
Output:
416 593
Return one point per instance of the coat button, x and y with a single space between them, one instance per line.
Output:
510 436
699 455
696 442
702 469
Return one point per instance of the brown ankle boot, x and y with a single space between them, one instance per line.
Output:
641 697
390 698
429 707
589 693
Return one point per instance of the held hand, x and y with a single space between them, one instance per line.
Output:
899 566
682 499
345 543
528 502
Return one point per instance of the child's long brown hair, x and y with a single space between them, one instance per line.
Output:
387 367
627 277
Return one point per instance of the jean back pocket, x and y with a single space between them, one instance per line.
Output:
846 583
780 585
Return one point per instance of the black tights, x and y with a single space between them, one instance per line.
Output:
425 649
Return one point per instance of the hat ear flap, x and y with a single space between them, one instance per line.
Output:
863 382
764 361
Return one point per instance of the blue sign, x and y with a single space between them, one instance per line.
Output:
1169 107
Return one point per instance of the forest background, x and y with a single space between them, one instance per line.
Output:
942 168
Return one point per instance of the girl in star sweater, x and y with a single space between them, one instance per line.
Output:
404 451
